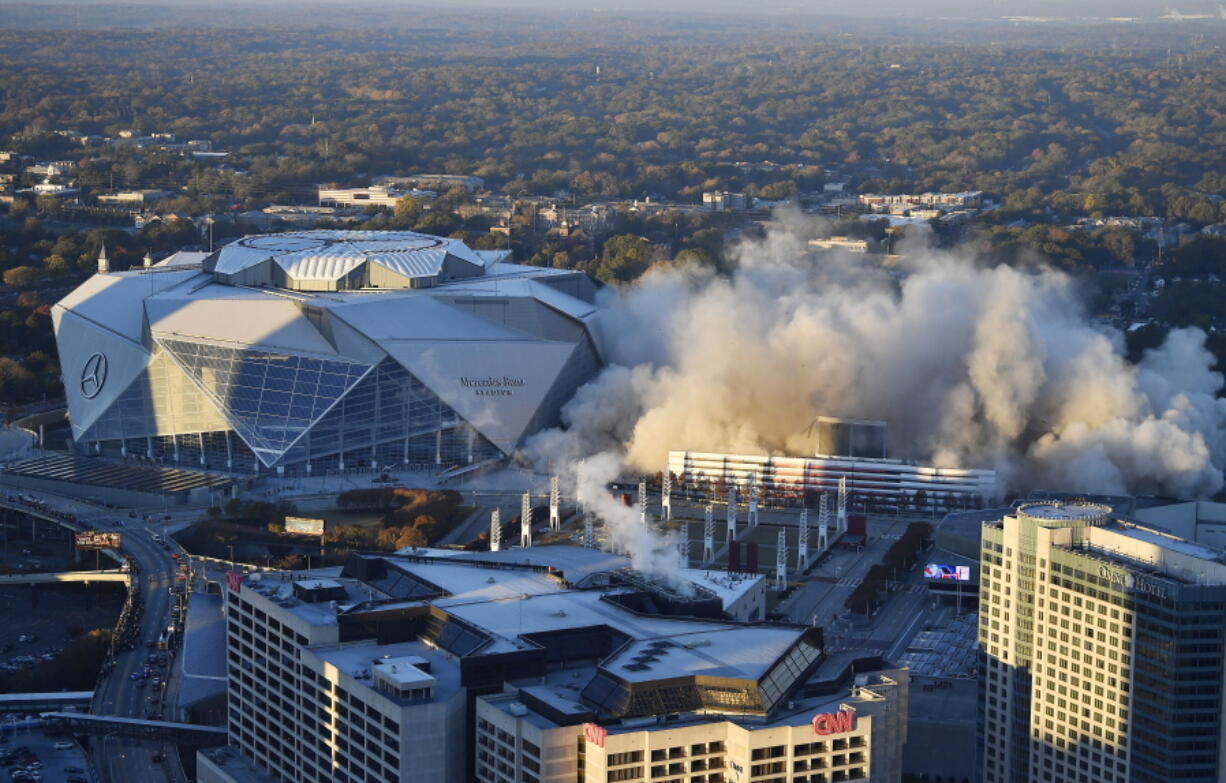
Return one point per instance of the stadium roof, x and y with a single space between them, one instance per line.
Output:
330 255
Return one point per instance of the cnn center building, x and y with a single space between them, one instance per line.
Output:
318 351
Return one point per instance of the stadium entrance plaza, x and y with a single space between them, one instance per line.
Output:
823 588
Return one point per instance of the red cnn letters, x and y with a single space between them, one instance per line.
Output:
595 734
839 722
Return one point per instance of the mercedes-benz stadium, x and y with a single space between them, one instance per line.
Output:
317 351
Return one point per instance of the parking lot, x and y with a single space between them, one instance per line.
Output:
47 613
32 751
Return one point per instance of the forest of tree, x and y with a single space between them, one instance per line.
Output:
1076 129
1054 123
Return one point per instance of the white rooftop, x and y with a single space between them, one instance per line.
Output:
736 653
405 671
729 587
508 619
1065 512
471 583
325 255
360 659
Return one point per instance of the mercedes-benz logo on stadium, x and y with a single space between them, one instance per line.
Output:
93 375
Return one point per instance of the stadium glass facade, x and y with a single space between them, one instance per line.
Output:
307 414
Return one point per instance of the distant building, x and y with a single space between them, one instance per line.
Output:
49 188
293 215
840 243
593 219
384 196
719 201
55 168
885 481
134 197
434 182
940 201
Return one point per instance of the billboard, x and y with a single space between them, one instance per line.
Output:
938 571
97 539
303 526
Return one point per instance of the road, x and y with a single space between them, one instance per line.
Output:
124 760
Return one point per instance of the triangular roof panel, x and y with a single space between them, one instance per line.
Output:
497 388
97 365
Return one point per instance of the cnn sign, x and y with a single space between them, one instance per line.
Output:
595 734
841 722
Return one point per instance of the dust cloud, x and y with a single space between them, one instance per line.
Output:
973 364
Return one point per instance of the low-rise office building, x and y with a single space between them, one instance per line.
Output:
472 666
853 734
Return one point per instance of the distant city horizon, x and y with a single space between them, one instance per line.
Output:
1141 10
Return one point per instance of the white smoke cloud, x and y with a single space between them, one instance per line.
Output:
972 364
650 550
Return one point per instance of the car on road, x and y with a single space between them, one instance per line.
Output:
64 745
74 770
159 756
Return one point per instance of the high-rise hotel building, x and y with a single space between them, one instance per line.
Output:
1103 644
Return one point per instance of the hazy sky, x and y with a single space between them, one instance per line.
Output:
910 8
977 8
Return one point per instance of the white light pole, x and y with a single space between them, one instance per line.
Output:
731 512
708 534
525 521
